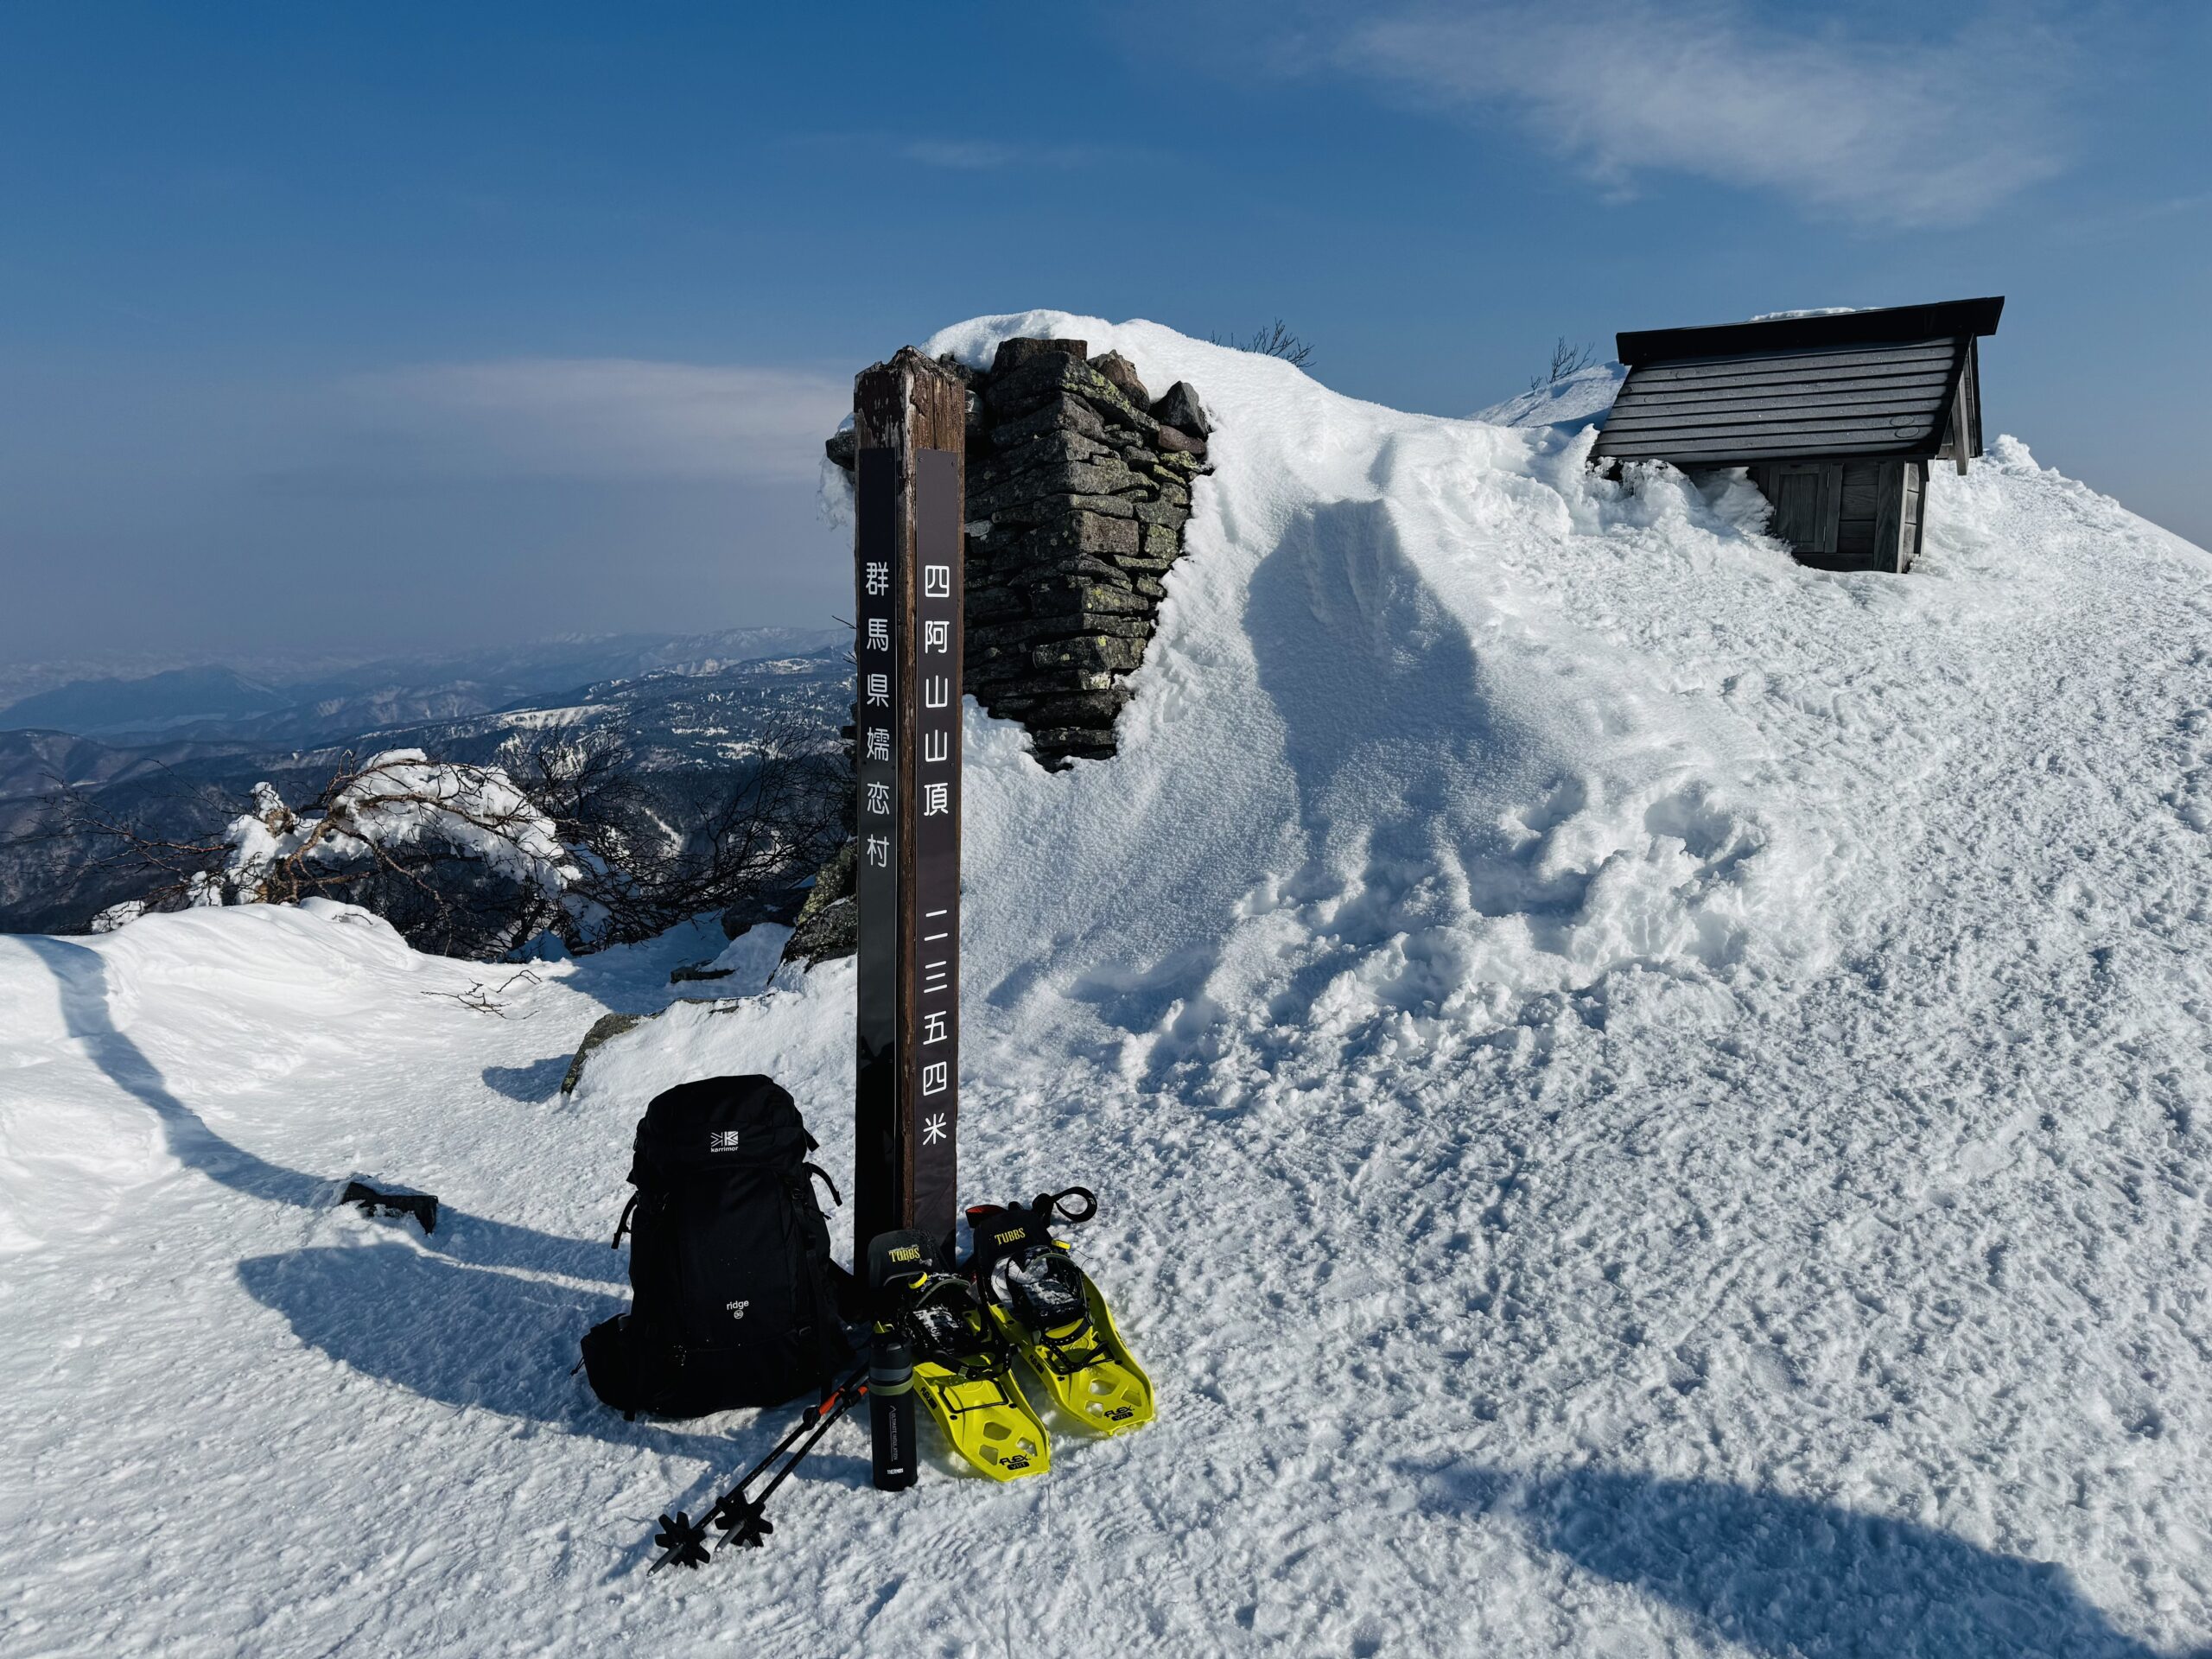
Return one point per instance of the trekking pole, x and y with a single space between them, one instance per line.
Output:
683 1541
747 1526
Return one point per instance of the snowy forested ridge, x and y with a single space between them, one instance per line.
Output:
704 720
1647 1101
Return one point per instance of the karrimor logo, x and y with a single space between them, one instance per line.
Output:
737 1309
722 1141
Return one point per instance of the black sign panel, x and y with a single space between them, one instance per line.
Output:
933 917
879 1194
907 649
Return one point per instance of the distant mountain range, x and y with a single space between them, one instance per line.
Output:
213 704
202 738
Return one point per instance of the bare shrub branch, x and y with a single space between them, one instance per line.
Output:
684 844
1565 360
1272 340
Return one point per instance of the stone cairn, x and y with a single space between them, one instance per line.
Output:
1078 489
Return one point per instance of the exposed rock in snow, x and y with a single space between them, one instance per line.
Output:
827 926
606 1026
1181 407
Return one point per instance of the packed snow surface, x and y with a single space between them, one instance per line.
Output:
1647 1101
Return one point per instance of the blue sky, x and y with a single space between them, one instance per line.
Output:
377 327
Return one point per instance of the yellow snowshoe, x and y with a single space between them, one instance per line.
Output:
1051 1313
963 1369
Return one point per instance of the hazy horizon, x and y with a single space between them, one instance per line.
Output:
371 333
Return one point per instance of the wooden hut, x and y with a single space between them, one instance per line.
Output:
1835 416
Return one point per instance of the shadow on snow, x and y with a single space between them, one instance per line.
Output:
434 1318
534 1085
81 977
1790 1577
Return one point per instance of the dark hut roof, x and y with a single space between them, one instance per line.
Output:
1900 381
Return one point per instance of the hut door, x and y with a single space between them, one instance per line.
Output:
1897 537
1807 503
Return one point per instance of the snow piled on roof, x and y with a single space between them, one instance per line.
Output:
1647 1099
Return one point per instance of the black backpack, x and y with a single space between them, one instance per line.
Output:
733 1289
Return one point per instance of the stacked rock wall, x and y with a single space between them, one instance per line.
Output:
1078 491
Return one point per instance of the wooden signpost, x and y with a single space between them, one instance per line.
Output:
910 417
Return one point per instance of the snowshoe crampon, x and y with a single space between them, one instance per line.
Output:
963 1370
1052 1314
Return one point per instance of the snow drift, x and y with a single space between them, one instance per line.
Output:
1649 1100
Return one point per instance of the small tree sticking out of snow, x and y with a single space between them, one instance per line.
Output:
458 851
1566 360
457 857
400 802
1274 341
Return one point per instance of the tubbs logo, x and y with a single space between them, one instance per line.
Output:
1013 1237
907 1253
737 1309
722 1141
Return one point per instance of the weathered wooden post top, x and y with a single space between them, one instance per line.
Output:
1835 415
910 419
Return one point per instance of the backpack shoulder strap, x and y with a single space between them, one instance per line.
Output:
623 1225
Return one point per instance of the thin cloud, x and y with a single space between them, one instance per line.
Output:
977 156
960 156
1880 130
599 418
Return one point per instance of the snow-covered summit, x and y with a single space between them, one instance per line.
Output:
1585 395
1647 1100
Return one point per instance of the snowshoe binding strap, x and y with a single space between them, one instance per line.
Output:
1043 1290
943 1321
1049 1309
1050 1206
898 1258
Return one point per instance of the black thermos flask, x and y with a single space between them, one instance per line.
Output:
890 1412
